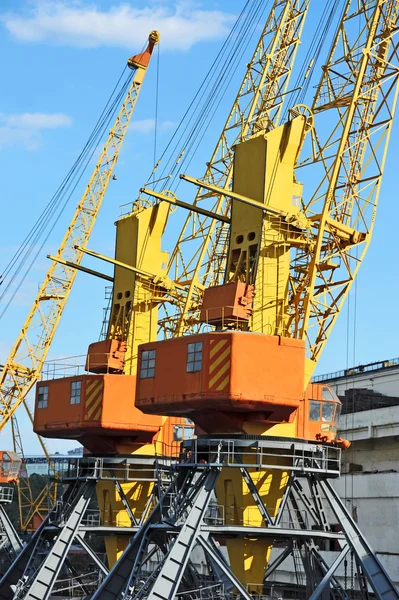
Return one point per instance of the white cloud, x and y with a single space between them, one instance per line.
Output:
121 25
147 126
37 120
25 129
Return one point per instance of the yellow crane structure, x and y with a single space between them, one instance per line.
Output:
272 242
143 283
356 98
258 105
24 364
291 253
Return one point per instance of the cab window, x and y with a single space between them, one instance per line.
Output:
327 412
327 394
314 410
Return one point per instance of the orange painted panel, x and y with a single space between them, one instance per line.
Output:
106 356
227 303
241 372
106 407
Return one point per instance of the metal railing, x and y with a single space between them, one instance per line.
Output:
219 515
358 370
78 586
69 366
267 454
73 366
138 468
6 494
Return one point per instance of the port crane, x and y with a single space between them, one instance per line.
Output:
24 364
234 355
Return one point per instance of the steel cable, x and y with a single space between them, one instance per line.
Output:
50 216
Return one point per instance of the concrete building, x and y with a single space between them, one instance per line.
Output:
370 468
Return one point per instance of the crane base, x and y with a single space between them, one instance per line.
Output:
184 519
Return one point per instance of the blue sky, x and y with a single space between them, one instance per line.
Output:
63 59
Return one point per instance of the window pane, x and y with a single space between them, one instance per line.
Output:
188 432
147 368
42 396
326 394
314 410
178 433
194 357
327 411
75 392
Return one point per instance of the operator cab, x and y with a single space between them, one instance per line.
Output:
10 466
322 409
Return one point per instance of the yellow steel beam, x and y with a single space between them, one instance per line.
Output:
122 265
192 207
230 194
81 268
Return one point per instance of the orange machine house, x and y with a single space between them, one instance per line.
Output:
224 377
225 380
93 409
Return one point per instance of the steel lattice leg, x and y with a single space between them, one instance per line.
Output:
371 566
13 544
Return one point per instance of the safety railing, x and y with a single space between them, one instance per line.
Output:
78 586
6 494
267 453
64 367
137 468
358 370
73 366
95 517
205 592
218 515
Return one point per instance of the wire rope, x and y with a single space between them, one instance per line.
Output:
43 227
208 94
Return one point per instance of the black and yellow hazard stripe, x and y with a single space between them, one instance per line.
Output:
94 396
219 365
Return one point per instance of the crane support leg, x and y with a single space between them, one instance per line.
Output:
44 579
168 580
371 566
9 538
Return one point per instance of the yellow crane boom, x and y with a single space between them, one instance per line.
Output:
23 366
